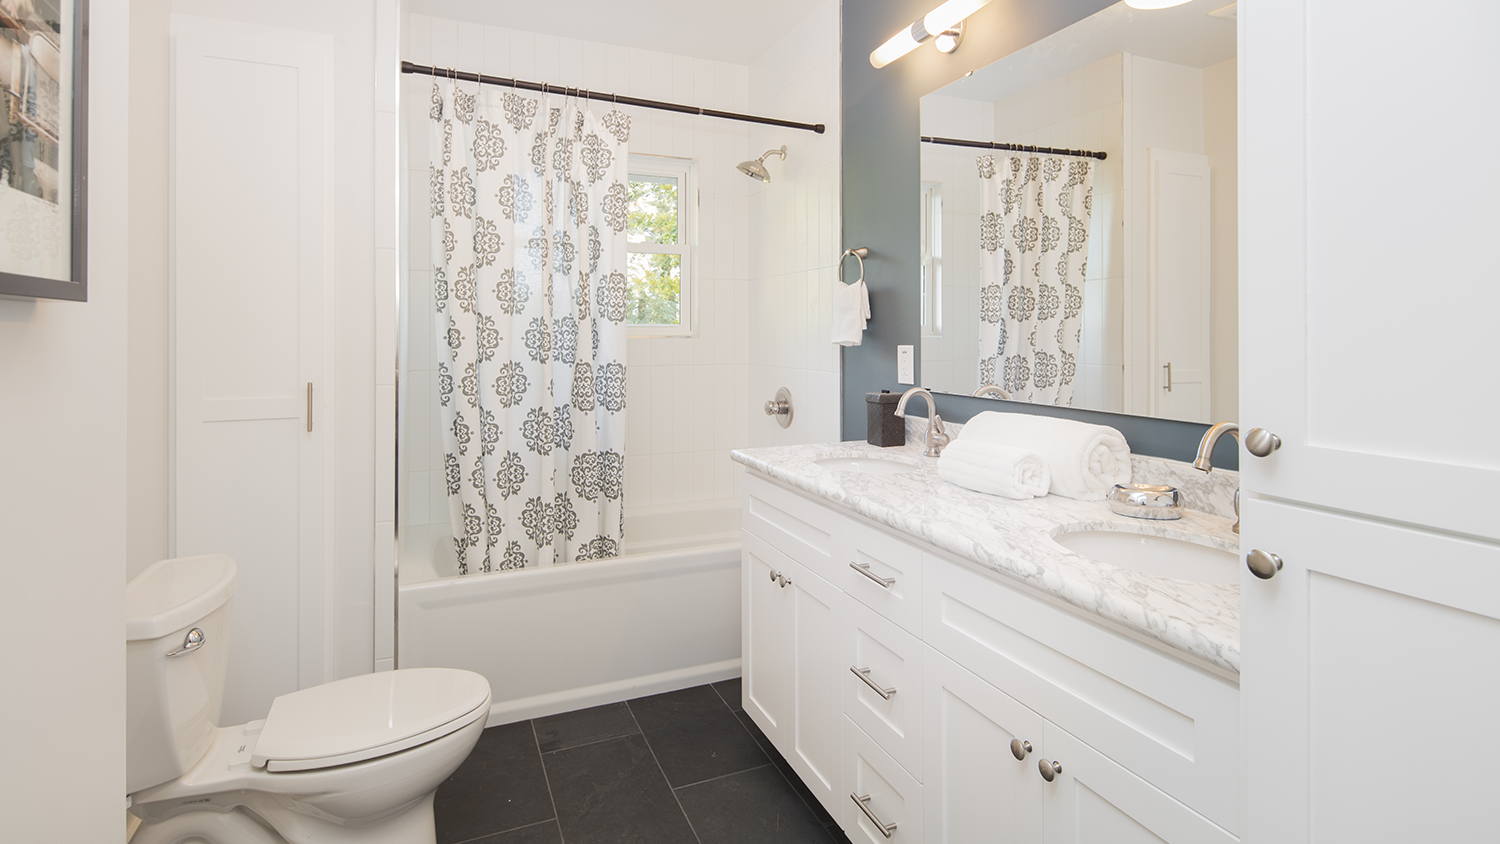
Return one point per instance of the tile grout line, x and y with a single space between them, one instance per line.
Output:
663 771
588 743
722 776
503 831
790 784
546 778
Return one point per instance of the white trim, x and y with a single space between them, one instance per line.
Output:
685 171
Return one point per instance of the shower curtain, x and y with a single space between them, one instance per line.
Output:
528 206
1033 234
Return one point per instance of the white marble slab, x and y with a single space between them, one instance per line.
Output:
1012 539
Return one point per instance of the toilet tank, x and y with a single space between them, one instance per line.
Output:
174 679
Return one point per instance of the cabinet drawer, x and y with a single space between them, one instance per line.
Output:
883 572
883 683
792 525
890 795
1172 724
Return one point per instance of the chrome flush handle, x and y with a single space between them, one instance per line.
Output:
193 642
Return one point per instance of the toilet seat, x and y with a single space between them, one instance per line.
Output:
368 716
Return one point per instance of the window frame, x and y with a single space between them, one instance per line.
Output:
930 246
685 170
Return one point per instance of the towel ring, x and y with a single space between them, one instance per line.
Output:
859 255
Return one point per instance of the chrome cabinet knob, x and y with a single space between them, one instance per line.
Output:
774 575
1019 748
1049 769
1263 564
1260 442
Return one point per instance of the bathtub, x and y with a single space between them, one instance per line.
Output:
664 616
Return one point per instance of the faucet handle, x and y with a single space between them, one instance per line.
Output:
1260 442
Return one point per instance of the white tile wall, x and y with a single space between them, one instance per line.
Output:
689 400
795 227
1083 109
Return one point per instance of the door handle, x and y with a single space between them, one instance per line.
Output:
1260 442
309 407
1168 368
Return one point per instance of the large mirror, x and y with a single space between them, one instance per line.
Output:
1106 280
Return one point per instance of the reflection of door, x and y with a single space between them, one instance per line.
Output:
1178 251
1368 328
251 259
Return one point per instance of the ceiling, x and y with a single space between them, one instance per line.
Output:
733 31
1186 35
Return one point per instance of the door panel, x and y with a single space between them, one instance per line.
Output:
1351 650
1181 269
816 609
251 273
1364 320
766 637
1095 801
894 796
975 791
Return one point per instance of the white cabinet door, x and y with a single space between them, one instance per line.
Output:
1373 684
766 638
251 279
1368 285
882 802
815 750
1092 800
976 791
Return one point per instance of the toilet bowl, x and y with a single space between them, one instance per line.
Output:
355 760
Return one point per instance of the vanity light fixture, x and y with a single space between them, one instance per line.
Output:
1154 4
944 21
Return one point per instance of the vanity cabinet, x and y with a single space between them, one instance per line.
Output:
905 698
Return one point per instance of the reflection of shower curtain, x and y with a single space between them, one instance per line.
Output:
528 219
1034 233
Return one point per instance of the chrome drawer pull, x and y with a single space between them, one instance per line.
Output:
864 674
864 569
864 806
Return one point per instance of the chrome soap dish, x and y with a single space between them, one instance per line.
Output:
1146 501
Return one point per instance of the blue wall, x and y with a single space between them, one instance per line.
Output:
882 174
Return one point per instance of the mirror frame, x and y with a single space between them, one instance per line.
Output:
882 171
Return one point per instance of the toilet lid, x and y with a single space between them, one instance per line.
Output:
367 716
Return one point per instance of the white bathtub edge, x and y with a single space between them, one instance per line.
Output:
567 700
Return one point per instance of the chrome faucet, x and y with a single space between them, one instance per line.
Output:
937 438
991 390
1206 448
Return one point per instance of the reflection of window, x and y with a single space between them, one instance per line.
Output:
660 246
932 258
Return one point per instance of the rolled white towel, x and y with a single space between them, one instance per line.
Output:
1001 470
851 311
1086 461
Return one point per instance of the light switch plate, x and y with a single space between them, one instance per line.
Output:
904 367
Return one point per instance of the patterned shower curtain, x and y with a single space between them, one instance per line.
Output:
1034 234
529 201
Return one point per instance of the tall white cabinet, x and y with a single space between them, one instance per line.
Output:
1368 297
251 284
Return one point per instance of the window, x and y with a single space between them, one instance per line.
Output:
932 258
660 236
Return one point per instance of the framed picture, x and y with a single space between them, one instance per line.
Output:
43 135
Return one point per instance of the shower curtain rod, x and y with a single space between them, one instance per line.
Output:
955 142
466 76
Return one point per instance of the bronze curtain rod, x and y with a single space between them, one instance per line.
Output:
466 76
955 142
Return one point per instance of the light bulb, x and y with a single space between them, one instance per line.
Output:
900 44
948 15
939 20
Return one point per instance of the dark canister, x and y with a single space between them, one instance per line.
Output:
885 428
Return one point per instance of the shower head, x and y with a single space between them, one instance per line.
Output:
757 169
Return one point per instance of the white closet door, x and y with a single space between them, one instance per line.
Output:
1368 291
251 262
1181 273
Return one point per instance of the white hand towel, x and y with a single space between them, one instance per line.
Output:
851 309
1086 461
1002 470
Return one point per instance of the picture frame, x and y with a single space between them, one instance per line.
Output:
43 149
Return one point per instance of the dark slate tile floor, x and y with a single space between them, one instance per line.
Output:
685 767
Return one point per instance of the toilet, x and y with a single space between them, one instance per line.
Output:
355 760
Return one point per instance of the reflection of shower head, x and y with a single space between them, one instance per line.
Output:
757 169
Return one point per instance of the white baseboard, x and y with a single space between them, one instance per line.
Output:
511 711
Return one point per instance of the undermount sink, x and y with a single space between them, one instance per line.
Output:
1155 555
865 465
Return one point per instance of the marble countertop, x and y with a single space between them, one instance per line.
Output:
1013 539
